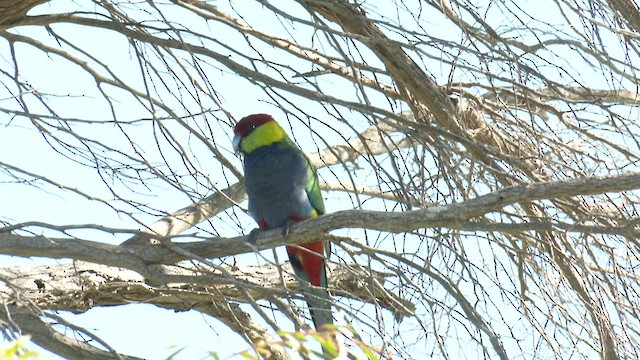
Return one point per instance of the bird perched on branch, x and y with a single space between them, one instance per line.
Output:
282 186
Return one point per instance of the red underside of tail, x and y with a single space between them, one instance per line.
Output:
310 255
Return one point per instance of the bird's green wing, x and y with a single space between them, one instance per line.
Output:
312 186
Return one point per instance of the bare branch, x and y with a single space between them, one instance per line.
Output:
452 216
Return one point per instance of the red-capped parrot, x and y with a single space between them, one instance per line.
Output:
282 186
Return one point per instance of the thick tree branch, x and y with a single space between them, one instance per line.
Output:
452 216
80 286
13 11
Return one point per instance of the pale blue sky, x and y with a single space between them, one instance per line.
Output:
138 329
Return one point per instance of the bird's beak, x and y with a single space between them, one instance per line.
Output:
236 142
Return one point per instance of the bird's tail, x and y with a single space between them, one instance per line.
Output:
319 303
309 265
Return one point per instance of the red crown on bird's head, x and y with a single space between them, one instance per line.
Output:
249 123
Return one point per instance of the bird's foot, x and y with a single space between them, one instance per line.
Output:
286 228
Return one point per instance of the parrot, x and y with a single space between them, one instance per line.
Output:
282 187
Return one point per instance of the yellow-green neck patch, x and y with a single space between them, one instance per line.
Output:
265 134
